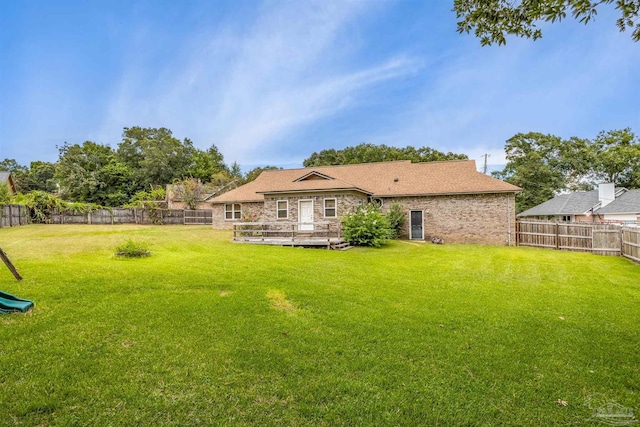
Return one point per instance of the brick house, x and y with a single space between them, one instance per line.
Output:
448 199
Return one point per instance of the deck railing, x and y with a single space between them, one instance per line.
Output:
295 232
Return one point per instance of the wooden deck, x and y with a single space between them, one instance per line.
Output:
317 234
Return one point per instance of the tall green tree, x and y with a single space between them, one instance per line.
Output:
535 164
41 176
368 153
545 165
616 158
91 173
206 164
492 20
155 156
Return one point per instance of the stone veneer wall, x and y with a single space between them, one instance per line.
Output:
345 202
253 210
468 218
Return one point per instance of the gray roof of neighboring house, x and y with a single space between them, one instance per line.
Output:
628 202
565 204
4 176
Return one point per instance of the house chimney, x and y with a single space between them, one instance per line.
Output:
606 193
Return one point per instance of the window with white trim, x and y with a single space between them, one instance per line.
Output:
330 208
232 211
282 209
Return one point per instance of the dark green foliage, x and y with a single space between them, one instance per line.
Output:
5 197
41 176
42 205
91 173
544 165
396 218
367 226
492 20
368 153
132 249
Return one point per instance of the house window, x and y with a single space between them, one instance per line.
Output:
330 208
232 211
565 218
282 209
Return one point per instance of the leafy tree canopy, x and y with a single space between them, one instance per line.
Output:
368 153
492 20
545 165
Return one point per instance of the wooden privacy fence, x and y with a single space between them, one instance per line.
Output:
14 215
599 239
631 243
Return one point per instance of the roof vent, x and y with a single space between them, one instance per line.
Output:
395 179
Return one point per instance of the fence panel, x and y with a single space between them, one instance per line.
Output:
599 239
607 239
14 215
199 217
631 243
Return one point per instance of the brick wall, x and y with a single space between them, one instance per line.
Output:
253 210
474 218
345 202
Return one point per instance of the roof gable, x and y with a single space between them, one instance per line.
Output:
313 175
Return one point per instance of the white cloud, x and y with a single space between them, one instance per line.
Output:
246 91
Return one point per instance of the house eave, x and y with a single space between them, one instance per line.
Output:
461 193
326 190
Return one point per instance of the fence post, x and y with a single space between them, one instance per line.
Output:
557 236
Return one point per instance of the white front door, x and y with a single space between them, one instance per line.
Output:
305 207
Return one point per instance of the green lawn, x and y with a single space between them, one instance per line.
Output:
207 332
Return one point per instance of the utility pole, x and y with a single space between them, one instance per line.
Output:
484 170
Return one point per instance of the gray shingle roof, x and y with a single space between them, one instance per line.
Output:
4 176
565 204
628 202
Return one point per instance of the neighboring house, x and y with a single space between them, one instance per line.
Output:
606 204
444 199
7 179
175 202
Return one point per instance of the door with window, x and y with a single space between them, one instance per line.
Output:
306 215
417 231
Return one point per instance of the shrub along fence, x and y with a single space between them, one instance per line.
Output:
14 215
599 239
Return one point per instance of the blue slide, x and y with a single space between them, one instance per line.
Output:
9 303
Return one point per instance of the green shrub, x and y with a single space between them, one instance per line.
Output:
5 197
396 218
131 249
366 227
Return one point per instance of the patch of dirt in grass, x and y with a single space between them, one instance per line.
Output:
224 293
280 302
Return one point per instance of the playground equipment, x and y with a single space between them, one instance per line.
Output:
8 302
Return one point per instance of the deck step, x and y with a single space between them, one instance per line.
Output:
341 246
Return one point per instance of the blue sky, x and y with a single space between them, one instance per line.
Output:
271 82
